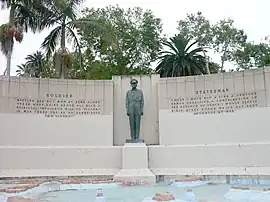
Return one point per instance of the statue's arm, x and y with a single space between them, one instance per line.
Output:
142 102
127 103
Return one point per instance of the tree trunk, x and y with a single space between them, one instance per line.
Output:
63 37
63 48
223 57
9 55
222 62
207 63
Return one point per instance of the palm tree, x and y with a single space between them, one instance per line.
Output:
182 59
23 70
64 15
22 16
36 63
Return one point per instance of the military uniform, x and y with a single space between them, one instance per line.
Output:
134 107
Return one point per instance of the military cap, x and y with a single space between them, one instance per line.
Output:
134 81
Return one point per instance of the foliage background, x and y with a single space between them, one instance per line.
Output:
223 38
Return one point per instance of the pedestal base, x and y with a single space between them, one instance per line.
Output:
135 141
135 165
136 176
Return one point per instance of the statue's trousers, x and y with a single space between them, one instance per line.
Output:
135 123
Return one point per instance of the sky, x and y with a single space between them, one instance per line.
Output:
250 15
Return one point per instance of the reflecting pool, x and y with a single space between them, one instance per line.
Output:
182 191
138 193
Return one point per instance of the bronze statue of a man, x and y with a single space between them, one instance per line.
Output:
134 107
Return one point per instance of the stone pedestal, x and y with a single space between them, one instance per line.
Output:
135 141
135 165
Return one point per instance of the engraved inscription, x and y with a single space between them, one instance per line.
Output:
58 105
214 104
212 91
58 95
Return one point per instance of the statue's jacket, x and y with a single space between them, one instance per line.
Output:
134 102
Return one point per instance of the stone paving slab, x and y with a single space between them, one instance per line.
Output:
16 185
22 199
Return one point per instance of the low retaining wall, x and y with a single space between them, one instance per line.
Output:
59 161
232 159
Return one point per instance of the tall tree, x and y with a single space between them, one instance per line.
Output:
182 58
253 55
227 39
63 14
223 37
196 27
138 33
22 16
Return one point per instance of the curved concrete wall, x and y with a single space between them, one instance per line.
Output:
216 109
216 124
42 112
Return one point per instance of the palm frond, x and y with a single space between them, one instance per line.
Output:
35 63
27 17
50 42
179 43
191 45
75 3
6 46
163 53
195 51
105 27
72 38
170 45
181 59
5 3
83 22
49 13
23 70
71 8
37 57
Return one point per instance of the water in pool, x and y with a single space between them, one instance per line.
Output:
137 193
